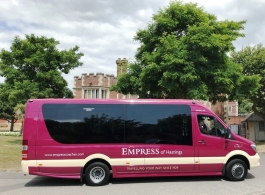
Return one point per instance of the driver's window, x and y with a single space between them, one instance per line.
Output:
219 130
209 125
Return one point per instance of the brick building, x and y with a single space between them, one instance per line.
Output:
96 86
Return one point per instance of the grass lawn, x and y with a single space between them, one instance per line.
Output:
10 153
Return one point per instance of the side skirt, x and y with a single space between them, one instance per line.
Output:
127 175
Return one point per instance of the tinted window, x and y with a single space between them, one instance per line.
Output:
83 123
153 124
158 124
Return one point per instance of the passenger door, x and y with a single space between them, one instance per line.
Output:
211 144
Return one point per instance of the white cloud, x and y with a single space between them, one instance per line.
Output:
104 29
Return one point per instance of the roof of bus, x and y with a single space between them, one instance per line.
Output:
195 105
117 101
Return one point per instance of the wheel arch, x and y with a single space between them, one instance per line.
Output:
96 158
238 156
241 157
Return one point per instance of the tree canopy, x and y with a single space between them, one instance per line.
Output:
183 54
245 106
33 68
253 61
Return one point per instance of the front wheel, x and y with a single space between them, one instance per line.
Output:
97 174
236 170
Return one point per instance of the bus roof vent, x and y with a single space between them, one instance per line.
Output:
193 102
30 100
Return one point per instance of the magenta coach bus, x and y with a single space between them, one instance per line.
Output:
94 139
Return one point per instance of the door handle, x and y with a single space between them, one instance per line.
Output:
202 142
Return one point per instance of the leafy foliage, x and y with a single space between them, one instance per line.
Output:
253 61
33 68
245 106
7 107
183 54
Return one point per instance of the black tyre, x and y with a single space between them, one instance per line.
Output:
97 174
236 170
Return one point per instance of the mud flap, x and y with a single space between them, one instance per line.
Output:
223 171
81 175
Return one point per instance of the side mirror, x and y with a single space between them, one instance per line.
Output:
227 133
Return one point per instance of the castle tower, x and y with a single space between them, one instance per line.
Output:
121 65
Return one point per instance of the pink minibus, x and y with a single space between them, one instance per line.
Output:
98 138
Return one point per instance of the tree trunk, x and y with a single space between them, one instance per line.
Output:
22 126
257 112
12 124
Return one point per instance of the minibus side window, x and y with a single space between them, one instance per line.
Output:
84 123
210 125
158 124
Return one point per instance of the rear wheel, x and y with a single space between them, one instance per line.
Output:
236 170
97 174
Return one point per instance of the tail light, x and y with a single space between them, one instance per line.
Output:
25 149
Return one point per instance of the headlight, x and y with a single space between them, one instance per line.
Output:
254 147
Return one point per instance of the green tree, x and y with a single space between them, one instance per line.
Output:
245 106
68 93
33 68
7 107
183 54
253 61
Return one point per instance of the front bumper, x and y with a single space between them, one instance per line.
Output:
254 161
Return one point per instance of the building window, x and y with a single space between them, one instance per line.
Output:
85 94
95 93
261 125
104 94
88 93
229 108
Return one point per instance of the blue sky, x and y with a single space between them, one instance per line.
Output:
104 29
